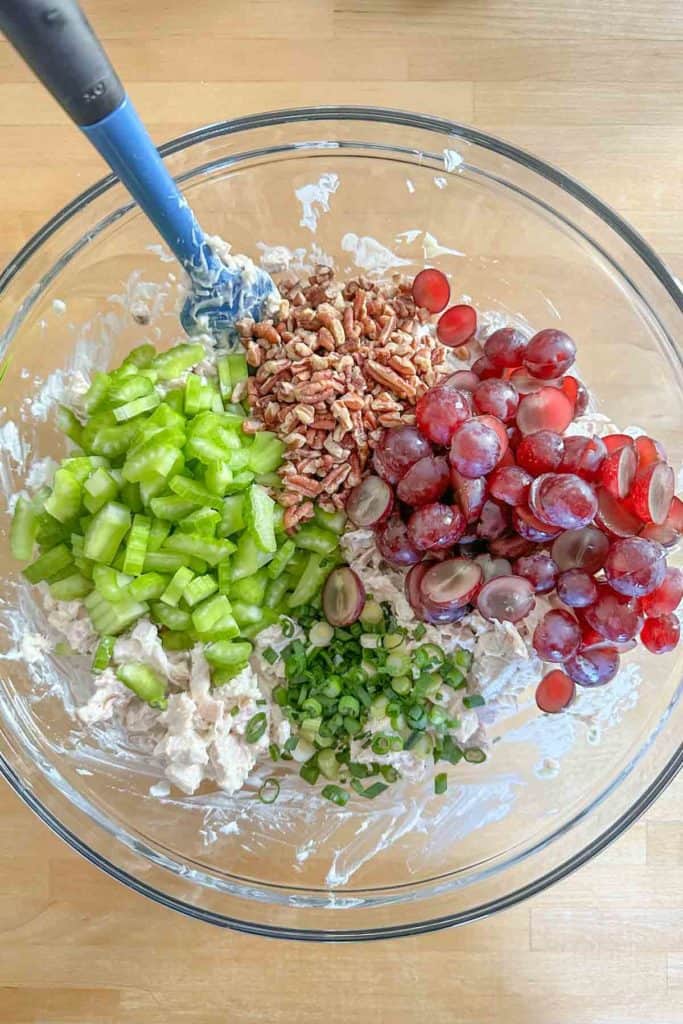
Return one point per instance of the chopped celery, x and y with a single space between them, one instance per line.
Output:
49 564
218 477
171 507
272 480
163 561
207 614
282 559
237 367
130 410
130 496
232 520
177 640
314 538
112 585
174 591
246 614
250 589
141 356
209 550
174 401
158 532
103 653
207 450
221 676
224 577
240 481
312 579
203 521
199 589
258 515
224 382
71 588
144 682
334 521
109 618
97 392
65 501
106 531
276 590
98 489
172 618
136 545
148 587
224 653
81 466
69 424
268 618
265 454
165 416
177 360
151 459
151 487
24 529
129 389
190 490
248 557
193 390
113 441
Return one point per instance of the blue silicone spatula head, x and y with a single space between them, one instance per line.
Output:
58 43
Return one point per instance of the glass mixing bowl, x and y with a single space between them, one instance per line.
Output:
375 190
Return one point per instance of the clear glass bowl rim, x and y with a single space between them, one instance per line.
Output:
612 220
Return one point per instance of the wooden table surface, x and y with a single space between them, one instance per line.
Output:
595 86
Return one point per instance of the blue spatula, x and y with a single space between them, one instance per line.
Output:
57 42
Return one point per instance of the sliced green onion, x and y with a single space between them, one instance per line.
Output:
473 700
269 791
475 755
256 726
371 792
103 653
440 783
270 655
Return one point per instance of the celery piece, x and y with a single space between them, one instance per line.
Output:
71 588
282 559
314 538
51 532
177 360
49 564
199 589
224 577
106 531
193 390
124 390
172 508
24 529
65 501
258 516
69 424
246 614
108 618
218 477
224 381
237 366
111 584
236 410
81 466
209 612
113 441
279 519
240 481
136 545
271 480
250 589
144 682
151 460
172 618
151 487
158 532
207 450
163 561
276 590
97 393
232 520
209 550
98 489
268 618
103 653
175 401
311 581
136 408
165 416
192 491
204 521
224 653
141 356
265 454
174 591
148 587
177 640
248 557
334 521
130 496
221 676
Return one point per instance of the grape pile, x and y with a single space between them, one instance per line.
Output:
486 469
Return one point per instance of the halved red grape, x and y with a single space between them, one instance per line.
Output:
510 484
547 409
557 636
664 535
462 380
398 449
494 521
450 584
675 517
370 502
412 586
343 597
496 424
576 588
581 549
549 354
576 393
555 692
505 348
530 528
431 290
661 634
635 566
485 369
614 616
539 569
394 544
648 451
563 499
476 448
595 666
652 493
424 482
456 325
492 567
525 384
540 452
440 412
618 470
470 494
436 526
667 596
583 456
506 599
510 547
614 442
614 517
496 398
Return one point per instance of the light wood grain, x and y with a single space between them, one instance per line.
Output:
595 86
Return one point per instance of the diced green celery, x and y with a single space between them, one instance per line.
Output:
144 682
148 587
268 618
282 559
77 545
151 460
192 491
172 508
279 519
232 520
224 577
124 390
224 382
237 365
193 390
113 441
49 564
250 589
209 550
136 545
81 466
106 531
175 400
71 588
141 356
240 481
258 516
158 532
265 454
151 487
111 584
209 612
248 557
236 410
207 450
311 581
69 424
104 418
246 614
137 407
276 590
98 489
271 480
334 521
172 618
165 417
174 591
163 561
51 532
65 501
199 589
108 618
130 496
24 529
224 653
314 538
103 653
177 640
174 362
204 521
221 676
218 477
84 522
97 393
